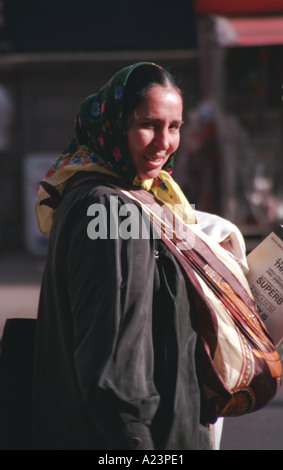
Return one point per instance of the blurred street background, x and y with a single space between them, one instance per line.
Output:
227 58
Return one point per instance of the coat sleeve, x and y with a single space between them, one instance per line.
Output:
110 282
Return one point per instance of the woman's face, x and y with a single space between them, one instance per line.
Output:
153 130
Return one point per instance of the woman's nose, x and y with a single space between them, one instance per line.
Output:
162 139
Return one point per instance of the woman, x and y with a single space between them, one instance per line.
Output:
117 350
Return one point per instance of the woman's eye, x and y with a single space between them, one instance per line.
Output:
148 125
175 128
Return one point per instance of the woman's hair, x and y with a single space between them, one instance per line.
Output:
141 80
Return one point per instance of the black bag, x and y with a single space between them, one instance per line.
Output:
16 372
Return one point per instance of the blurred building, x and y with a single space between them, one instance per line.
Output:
227 56
52 55
233 146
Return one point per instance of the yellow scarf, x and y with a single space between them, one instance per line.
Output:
164 188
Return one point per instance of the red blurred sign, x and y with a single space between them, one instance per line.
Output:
237 7
246 31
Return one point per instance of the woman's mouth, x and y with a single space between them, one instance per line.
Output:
154 161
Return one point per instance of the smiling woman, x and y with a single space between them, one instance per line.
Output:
129 129
105 383
153 130
127 350
153 109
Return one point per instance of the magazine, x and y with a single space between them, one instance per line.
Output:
266 282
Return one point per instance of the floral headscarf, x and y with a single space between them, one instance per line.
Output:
100 145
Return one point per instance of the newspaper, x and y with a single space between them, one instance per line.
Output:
266 281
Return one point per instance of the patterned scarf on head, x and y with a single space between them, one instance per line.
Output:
100 145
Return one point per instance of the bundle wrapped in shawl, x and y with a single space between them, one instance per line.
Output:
240 367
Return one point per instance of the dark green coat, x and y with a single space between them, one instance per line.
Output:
116 343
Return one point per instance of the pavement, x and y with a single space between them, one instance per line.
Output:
20 279
262 430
